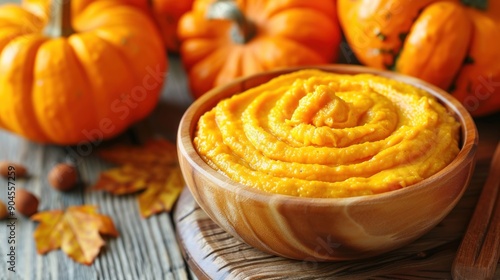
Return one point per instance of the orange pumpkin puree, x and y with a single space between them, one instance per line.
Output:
318 134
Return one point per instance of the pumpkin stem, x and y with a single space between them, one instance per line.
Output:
478 4
59 24
243 30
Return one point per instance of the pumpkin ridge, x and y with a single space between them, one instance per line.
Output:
255 53
18 110
313 56
11 13
62 110
105 110
192 46
233 63
312 40
119 15
301 10
35 125
307 5
134 72
216 61
96 108
250 52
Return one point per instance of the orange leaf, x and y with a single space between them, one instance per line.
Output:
123 180
77 232
153 167
154 152
161 197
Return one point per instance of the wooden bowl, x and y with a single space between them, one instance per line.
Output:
325 229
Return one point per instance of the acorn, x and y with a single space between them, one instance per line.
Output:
63 177
3 211
12 169
26 203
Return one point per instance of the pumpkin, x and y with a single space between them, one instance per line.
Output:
222 40
41 8
452 44
168 14
78 79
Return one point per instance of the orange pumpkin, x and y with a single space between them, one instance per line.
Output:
41 7
445 42
78 79
168 14
244 37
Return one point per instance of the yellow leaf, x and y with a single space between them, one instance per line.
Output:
77 232
153 168
154 152
161 197
123 180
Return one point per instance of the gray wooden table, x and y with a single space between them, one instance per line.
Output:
145 249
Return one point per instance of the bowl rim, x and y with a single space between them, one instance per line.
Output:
187 125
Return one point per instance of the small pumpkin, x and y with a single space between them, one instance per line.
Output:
78 79
167 14
453 44
222 40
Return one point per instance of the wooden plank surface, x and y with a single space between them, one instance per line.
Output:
214 254
148 249
145 249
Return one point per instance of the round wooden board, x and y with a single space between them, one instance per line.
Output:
214 254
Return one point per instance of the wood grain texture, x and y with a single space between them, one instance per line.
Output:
212 253
479 251
145 249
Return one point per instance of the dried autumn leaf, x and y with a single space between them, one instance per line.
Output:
124 180
153 167
161 197
77 231
153 152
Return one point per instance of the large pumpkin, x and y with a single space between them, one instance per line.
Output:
451 43
41 8
222 40
166 14
81 79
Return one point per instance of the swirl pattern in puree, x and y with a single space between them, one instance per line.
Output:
317 134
